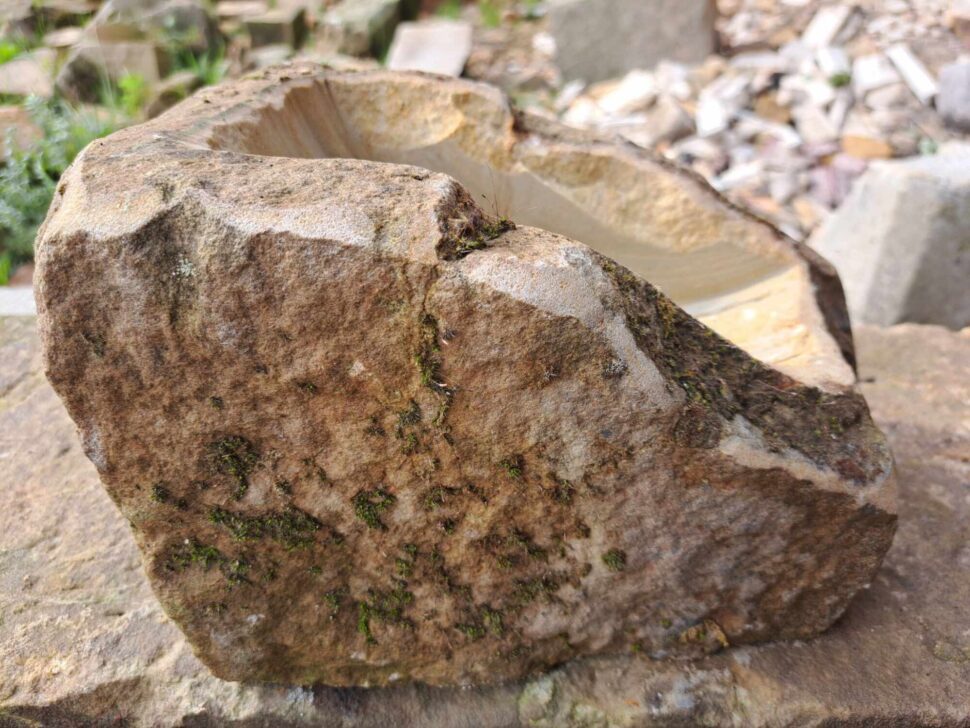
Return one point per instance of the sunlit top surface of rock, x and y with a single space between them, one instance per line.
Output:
372 366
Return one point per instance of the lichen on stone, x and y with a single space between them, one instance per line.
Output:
369 505
236 457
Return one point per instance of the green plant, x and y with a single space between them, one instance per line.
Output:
615 560
491 13
370 504
841 79
29 176
450 9
134 93
13 45
9 51
210 68
125 96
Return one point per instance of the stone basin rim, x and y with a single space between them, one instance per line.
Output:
801 324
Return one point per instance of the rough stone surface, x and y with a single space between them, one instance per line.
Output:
81 76
911 261
17 130
437 46
365 432
597 39
82 638
361 27
953 101
25 76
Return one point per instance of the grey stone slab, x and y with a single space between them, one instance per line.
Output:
953 100
901 242
599 39
17 301
437 46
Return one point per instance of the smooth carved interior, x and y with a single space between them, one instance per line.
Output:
729 271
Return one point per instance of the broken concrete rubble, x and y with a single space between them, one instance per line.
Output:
81 78
26 75
279 26
17 129
157 21
362 27
790 100
959 20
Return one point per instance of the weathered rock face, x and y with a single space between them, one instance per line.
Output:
364 431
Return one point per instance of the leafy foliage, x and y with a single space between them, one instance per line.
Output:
8 51
133 93
210 68
491 13
450 9
29 177
12 46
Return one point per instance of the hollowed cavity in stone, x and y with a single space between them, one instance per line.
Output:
736 275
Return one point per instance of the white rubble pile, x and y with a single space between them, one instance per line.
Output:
805 95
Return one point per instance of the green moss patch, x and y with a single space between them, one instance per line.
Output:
384 606
292 528
236 457
370 504
721 381
615 560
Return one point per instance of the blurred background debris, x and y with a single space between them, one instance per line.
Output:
801 111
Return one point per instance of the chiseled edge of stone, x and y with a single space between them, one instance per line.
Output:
829 292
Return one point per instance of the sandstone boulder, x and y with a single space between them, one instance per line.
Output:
365 431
